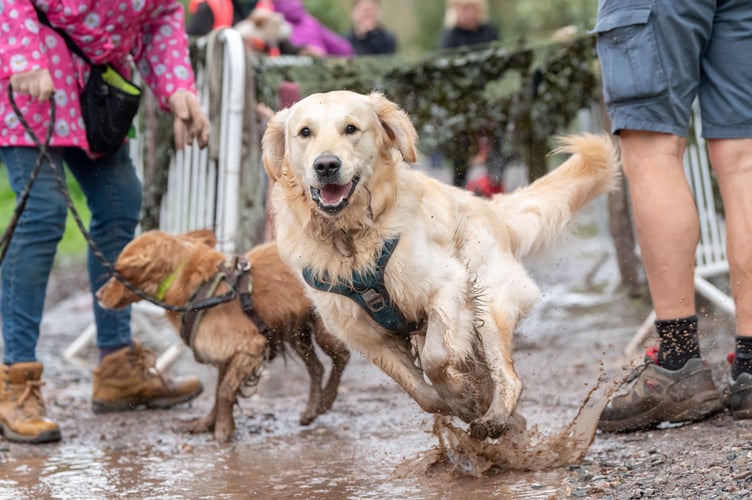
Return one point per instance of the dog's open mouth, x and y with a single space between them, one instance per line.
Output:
331 198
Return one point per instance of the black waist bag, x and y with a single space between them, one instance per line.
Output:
109 102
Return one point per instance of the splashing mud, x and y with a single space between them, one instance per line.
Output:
520 448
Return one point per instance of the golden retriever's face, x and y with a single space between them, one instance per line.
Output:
146 261
333 145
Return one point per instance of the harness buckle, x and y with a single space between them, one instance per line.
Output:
374 300
244 265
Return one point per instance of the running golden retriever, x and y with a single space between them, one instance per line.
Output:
237 339
421 277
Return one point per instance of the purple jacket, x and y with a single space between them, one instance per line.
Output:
307 30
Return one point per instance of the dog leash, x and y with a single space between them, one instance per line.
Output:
24 196
206 303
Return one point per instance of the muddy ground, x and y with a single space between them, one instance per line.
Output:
376 442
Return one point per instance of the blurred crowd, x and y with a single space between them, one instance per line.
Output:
276 27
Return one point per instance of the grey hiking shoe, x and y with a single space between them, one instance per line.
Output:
740 397
738 394
652 395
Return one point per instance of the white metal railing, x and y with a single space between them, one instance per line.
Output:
203 186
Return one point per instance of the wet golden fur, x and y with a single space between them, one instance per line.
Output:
457 263
226 337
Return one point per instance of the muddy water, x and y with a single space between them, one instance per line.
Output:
375 443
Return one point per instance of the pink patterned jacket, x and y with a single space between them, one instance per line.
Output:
151 32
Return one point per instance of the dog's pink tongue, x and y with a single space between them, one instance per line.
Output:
332 194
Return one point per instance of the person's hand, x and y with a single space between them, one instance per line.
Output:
190 121
36 84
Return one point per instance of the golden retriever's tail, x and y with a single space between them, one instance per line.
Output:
539 214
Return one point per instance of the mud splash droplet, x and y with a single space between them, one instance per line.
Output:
520 448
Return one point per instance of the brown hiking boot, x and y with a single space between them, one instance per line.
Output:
22 412
653 395
128 379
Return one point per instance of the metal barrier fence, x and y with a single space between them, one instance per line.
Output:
203 185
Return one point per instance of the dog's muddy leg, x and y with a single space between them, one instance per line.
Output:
303 345
496 336
206 424
395 358
340 356
242 368
447 358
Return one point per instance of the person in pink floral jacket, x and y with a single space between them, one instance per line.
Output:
36 65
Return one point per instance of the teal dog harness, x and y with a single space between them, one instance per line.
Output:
369 291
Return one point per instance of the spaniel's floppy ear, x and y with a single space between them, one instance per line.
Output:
273 144
205 236
397 125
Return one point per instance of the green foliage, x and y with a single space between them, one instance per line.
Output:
452 97
331 13
533 21
418 23
430 25
73 242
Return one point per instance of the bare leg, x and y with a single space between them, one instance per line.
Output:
732 163
665 218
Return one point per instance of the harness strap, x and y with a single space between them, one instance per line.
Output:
245 289
369 292
190 320
239 276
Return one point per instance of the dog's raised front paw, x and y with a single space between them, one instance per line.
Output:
483 428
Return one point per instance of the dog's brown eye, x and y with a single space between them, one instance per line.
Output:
351 129
305 132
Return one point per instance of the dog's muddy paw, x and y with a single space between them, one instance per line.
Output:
223 433
307 417
493 429
496 430
480 430
198 425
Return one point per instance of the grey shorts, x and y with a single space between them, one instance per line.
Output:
656 56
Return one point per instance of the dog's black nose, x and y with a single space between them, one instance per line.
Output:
327 166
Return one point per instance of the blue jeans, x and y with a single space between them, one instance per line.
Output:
113 194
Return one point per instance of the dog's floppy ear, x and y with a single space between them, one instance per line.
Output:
205 236
397 125
273 144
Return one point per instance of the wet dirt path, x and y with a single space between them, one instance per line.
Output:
375 440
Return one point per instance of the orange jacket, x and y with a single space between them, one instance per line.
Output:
221 9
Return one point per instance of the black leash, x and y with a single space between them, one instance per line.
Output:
206 303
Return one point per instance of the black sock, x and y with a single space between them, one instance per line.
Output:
742 356
679 342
